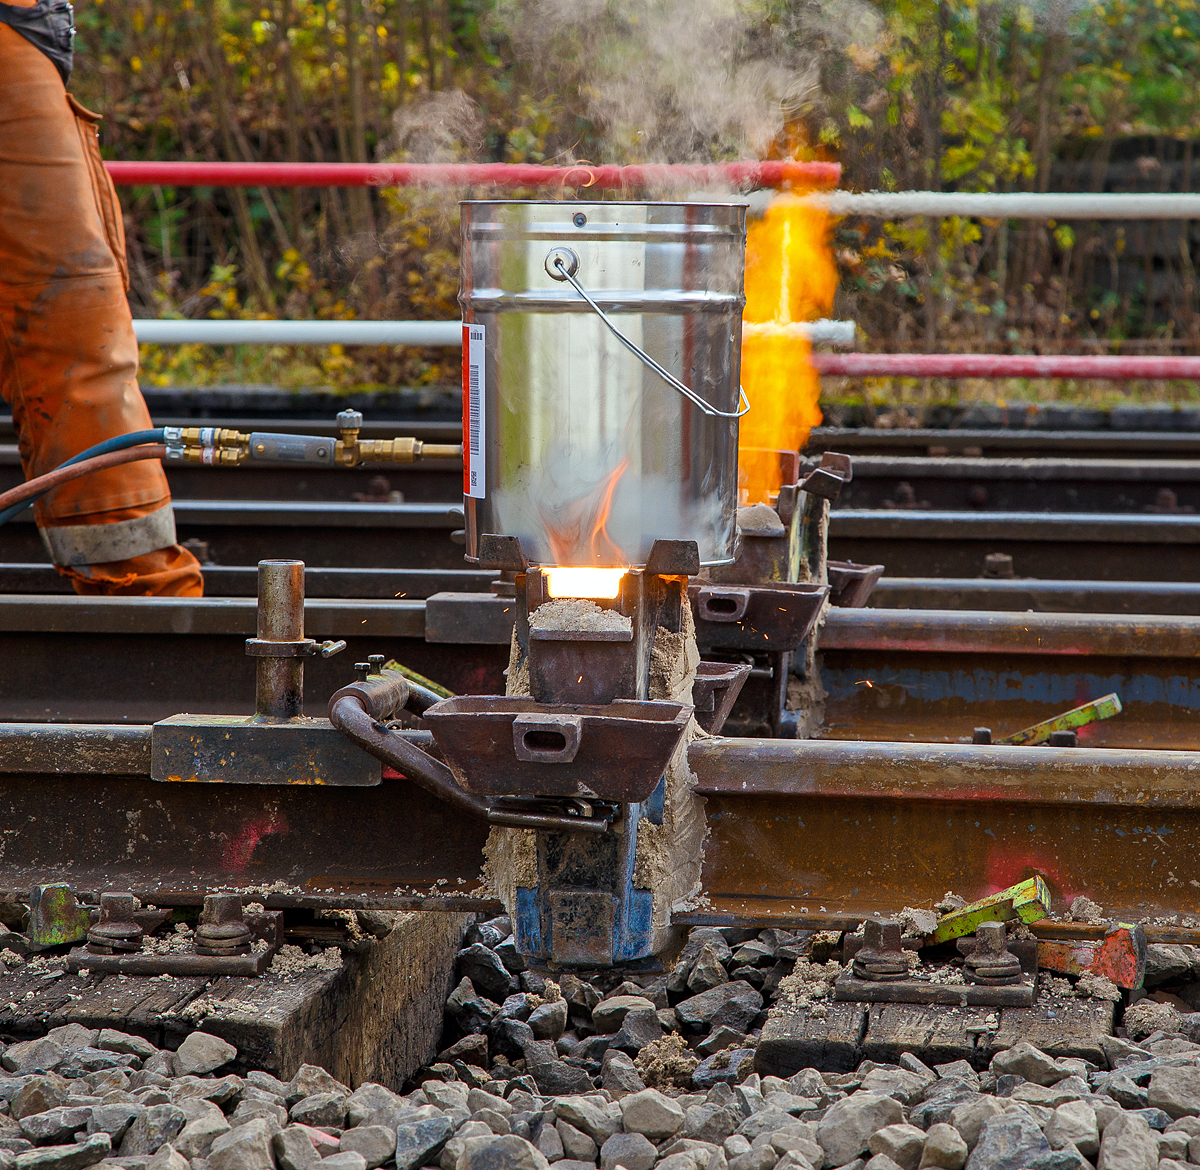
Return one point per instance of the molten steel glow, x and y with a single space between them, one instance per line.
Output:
567 581
790 278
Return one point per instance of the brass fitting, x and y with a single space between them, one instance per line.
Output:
220 447
212 446
351 450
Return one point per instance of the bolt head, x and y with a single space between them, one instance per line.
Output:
221 909
991 938
881 934
116 907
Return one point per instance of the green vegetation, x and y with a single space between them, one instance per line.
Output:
972 95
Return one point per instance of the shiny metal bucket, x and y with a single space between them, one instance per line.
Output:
601 360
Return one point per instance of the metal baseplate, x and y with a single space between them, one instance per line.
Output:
251 965
927 990
226 941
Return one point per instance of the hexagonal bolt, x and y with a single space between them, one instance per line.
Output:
991 961
881 934
990 939
116 929
222 928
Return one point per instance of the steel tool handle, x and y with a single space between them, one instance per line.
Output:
562 264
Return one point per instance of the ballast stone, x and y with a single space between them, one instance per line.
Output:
202 1053
420 1141
376 1143
847 1126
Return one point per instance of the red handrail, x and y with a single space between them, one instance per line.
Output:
741 175
1001 365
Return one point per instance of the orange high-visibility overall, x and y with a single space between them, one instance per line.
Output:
68 355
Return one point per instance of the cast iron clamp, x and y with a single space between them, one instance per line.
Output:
361 711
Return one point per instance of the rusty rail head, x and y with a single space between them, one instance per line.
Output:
993 632
992 774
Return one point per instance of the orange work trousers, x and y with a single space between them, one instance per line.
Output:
68 355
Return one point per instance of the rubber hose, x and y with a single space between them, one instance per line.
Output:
117 443
15 499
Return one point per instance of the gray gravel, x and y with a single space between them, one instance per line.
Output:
652 1073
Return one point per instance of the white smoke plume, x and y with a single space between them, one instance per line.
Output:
441 127
678 80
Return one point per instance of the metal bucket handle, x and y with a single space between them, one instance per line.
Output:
562 264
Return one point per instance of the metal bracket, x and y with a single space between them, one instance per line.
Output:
303 648
501 552
266 926
235 749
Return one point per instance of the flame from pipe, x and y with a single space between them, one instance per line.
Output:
790 278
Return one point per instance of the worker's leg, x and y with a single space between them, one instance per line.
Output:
68 356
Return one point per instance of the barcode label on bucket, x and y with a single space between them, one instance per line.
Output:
474 418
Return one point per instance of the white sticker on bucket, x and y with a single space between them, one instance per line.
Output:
474 415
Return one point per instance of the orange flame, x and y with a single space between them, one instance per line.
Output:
581 536
790 278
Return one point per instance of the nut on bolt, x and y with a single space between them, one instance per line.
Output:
222 930
115 932
880 958
990 961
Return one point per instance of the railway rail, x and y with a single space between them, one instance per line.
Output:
907 675
334 534
836 817
921 482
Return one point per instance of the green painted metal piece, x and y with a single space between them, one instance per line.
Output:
1097 709
1028 900
55 917
420 679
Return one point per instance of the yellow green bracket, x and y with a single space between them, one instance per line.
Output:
1093 712
1028 900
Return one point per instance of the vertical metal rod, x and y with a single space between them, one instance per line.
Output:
280 685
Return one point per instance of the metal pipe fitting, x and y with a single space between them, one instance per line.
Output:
350 712
279 693
383 695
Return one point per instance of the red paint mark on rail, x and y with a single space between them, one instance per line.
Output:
239 849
